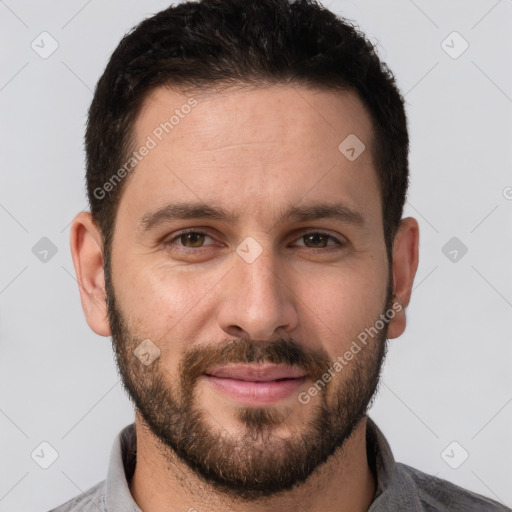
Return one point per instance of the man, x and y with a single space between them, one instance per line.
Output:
247 167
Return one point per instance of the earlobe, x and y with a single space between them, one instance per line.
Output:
87 253
405 264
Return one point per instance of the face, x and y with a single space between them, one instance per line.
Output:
248 260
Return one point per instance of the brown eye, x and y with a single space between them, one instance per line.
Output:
188 240
317 240
195 239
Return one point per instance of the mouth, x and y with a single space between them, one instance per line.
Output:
256 385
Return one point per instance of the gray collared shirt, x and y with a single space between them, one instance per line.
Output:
399 487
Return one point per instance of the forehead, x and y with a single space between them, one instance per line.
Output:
248 115
253 150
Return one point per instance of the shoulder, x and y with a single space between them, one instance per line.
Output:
438 495
92 500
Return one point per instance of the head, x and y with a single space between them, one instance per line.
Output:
272 134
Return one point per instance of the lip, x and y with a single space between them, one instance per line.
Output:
256 385
256 373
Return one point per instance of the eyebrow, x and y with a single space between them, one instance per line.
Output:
187 211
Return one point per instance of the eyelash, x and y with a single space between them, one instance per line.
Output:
171 242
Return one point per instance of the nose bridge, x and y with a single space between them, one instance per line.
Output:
257 300
258 271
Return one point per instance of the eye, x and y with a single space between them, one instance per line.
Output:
319 240
194 238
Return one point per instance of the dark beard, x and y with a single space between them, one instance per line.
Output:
257 463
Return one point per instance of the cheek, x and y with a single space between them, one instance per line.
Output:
342 304
159 295
166 306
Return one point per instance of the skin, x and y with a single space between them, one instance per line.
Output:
254 152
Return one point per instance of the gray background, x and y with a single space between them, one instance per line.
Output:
446 379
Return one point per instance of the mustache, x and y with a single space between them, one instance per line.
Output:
197 360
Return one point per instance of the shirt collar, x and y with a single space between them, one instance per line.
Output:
120 470
394 489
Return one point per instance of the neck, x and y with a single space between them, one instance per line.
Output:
344 483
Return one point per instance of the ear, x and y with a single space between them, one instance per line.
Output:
405 264
87 252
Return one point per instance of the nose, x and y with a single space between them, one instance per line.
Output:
257 299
